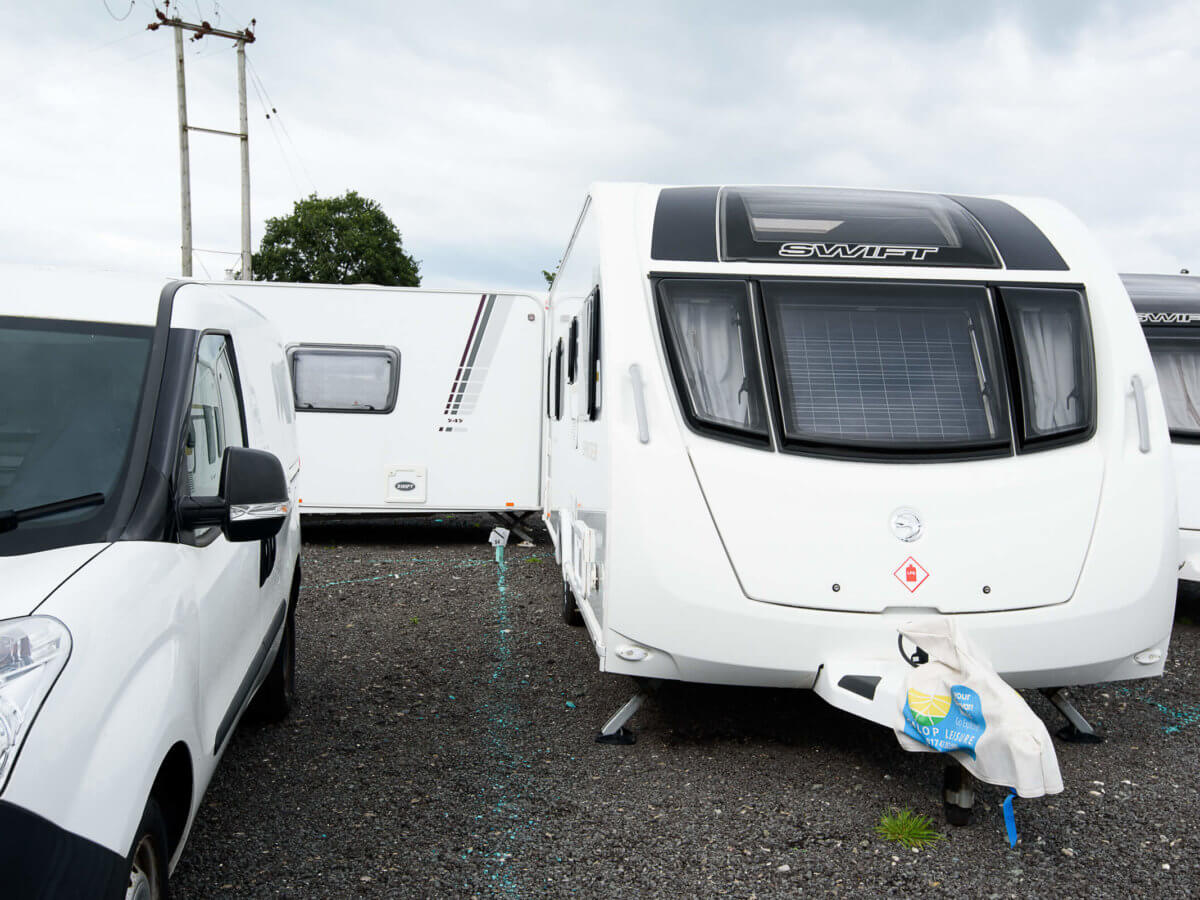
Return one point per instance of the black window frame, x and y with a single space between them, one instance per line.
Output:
392 353
744 436
202 537
558 381
595 394
1178 335
573 350
1006 377
1020 380
917 451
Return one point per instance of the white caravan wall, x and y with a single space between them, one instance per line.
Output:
465 428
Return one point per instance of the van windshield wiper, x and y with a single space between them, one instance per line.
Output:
12 518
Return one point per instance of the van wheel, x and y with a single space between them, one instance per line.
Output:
570 609
148 857
277 693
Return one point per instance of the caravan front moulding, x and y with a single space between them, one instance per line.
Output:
783 421
409 400
1168 307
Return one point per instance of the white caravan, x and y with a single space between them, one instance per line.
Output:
1168 307
411 400
149 558
783 421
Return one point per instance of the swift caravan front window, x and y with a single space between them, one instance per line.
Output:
712 352
1052 342
891 366
1177 361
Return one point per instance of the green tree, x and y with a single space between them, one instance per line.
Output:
335 240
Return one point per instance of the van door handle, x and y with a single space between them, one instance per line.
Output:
639 403
1143 415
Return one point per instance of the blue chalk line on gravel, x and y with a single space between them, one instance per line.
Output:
501 714
1184 716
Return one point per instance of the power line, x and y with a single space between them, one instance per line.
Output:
114 15
283 125
271 126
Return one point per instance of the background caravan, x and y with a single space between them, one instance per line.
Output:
783 421
411 400
1168 307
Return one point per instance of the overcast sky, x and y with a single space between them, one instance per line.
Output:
479 125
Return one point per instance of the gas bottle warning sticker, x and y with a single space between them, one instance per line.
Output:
911 574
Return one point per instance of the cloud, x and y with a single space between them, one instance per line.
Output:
478 126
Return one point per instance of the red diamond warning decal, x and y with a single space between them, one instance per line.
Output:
911 574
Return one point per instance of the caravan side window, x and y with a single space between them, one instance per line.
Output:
337 378
550 386
573 351
592 314
558 381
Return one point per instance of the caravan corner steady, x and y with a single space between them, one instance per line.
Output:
410 400
762 462
1168 306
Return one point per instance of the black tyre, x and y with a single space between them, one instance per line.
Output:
570 609
148 857
277 693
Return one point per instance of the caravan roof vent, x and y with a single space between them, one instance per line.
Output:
826 225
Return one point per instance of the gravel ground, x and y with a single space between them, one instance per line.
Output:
443 747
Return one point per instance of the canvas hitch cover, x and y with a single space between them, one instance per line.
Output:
957 704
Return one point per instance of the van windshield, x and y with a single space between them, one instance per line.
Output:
69 395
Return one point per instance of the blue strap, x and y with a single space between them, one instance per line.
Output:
1010 820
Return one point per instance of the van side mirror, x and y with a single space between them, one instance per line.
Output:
253 503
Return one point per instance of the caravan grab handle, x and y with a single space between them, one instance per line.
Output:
639 403
1143 416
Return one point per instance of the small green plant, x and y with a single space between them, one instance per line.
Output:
413 621
908 828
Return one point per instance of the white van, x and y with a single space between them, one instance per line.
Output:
1168 306
149 557
411 400
783 421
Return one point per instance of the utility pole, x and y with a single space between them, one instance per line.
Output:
241 39
185 175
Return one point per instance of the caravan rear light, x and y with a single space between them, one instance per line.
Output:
1149 657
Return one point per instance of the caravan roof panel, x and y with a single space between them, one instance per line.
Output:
843 226
1165 295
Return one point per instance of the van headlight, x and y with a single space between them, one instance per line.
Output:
33 651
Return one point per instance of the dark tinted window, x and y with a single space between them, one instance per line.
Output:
592 314
823 225
558 380
573 350
889 365
69 395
